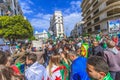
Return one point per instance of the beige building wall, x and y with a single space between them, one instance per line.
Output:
77 30
97 13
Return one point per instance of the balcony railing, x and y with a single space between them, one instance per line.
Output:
111 1
113 12
96 20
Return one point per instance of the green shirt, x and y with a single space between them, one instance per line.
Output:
107 77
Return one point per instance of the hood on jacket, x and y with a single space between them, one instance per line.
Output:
37 68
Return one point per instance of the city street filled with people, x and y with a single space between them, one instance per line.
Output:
83 58
59 39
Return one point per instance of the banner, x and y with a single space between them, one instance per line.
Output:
114 25
37 44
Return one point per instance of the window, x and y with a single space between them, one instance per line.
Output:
1 12
96 11
59 28
96 20
15 12
90 30
97 27
58 20
15 3
88 11
58 17
95 3
88 17
89 24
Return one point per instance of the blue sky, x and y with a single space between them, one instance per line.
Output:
38 12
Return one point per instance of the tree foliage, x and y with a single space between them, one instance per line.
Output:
15 27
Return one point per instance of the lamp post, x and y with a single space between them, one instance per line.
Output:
66 31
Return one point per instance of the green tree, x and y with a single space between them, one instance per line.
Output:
15 27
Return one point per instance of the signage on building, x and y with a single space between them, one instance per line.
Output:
114 25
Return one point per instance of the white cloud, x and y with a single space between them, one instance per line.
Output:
41 21
30 2
72 15
78 3
26 6
70 21
75 7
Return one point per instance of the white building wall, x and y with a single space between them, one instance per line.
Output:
13 4
103 16
56 23
102 6
104 25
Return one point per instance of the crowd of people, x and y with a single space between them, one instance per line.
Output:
83 58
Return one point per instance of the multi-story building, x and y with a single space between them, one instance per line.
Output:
74 32
10 7
56 24
42 35
78 29
97 14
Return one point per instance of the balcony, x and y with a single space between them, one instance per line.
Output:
88 11
111 1
89 24
89 18
97 27
96 12
95 3
90 30
96 20
113 12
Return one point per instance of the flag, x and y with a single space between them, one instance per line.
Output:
98 38
48 34
20 67
84 50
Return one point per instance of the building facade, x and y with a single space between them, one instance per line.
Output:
97 14
56 24
78 29
42 35
10 8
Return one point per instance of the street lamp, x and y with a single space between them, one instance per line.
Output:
66 31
